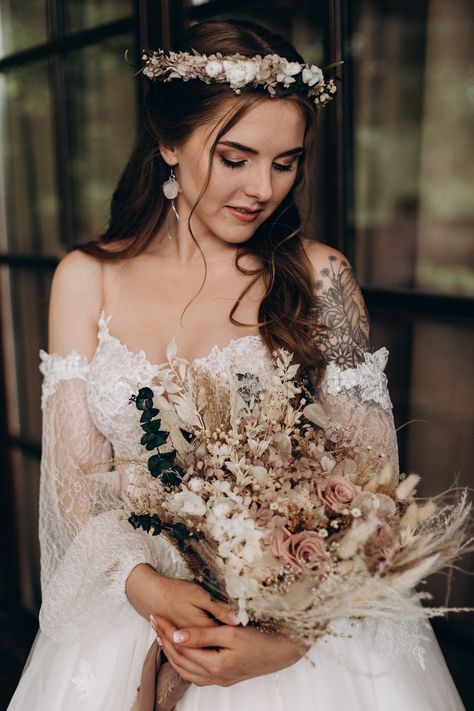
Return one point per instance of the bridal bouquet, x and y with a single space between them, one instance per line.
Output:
275 509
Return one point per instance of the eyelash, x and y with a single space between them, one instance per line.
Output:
239 164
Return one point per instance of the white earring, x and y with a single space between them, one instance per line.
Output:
171 189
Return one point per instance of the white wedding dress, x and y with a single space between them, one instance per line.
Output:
91 645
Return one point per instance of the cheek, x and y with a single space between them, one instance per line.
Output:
282 186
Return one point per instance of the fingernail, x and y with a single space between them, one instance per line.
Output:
152 623
160 643
180 636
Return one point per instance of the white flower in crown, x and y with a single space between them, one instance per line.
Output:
213 68
239 72
180 71
312 75
287 71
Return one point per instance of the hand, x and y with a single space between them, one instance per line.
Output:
224 655
184 603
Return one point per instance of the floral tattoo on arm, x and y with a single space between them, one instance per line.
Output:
343 323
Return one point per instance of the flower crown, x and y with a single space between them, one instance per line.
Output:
276 74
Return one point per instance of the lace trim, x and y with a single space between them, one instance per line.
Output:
122 570
56 368
368 377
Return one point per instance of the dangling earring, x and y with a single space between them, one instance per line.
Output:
171 189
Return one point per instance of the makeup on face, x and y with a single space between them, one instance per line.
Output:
253 169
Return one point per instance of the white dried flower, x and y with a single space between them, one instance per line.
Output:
186 502
312 75
239 73
195 485
327 463
213 68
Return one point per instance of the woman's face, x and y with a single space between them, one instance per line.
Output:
254 167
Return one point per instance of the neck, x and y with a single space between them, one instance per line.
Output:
175 241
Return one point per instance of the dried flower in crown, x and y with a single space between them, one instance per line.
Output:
274 73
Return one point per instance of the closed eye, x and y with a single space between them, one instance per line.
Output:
240 163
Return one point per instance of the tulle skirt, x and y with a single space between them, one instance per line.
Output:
338 674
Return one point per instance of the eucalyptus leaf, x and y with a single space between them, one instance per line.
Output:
153 426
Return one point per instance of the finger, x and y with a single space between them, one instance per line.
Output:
203 637
205 658
185 667
222 612
188 636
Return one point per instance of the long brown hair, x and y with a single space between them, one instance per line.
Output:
286 316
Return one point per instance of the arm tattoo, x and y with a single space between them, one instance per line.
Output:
343 324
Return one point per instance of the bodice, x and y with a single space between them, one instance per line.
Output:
115 373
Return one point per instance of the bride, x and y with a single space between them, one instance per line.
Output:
204 245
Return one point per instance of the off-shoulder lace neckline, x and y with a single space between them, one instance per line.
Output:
104 333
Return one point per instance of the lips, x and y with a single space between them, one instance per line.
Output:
244 214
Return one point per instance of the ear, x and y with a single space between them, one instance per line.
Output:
169 154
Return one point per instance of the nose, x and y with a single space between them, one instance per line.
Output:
259 184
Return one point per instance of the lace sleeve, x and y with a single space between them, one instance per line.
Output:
359 397
88 548
354 386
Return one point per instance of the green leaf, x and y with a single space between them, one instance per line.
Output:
152 426
145 394
144 399
179 531
156 524
171 477
147 415
134 520
143 404
153 441
169 456
158 464
188 436
143 521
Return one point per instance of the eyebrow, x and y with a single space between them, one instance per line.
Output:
247 149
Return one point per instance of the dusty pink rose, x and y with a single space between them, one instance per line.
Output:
337 492
301 550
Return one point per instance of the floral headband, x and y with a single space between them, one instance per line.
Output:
274 73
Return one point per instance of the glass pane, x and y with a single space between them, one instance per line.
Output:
22 25
27 171
80 14
25 484
431 380
303 24
25 297
413 154
101 106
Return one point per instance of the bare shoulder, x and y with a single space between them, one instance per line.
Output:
343 334
75 267
322 256
76 296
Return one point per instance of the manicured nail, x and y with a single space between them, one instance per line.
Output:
180 636
160 643
152 623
